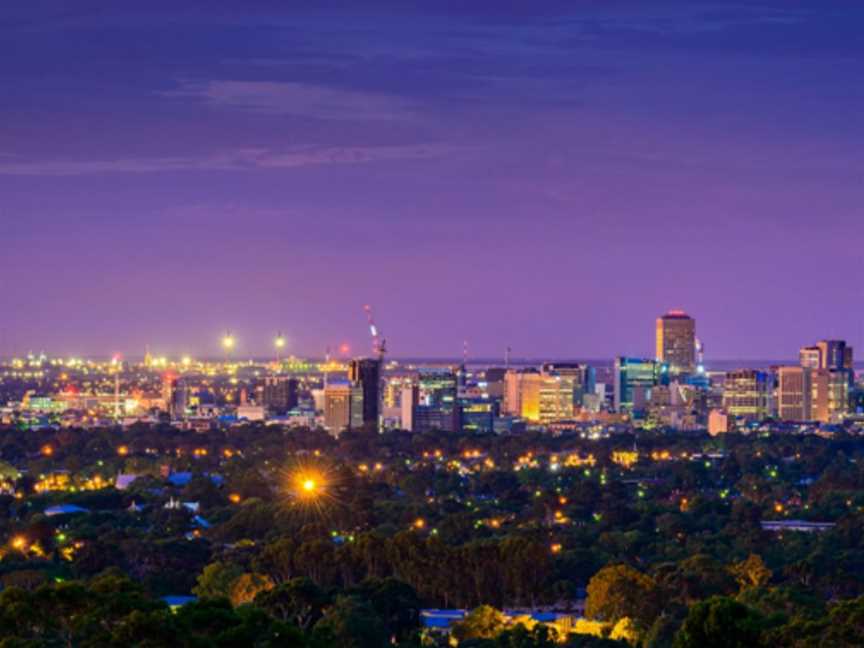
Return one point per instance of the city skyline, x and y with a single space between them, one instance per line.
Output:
280 346
549 180
374 323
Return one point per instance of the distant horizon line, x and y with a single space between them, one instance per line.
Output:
483 361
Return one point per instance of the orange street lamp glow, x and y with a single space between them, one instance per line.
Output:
309 485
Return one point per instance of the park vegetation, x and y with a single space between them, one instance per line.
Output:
289 537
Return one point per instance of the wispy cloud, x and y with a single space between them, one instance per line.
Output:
301 99
242 159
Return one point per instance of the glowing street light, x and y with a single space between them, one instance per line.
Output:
228 343
279 343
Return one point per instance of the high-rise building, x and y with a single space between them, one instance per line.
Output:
337 407
279 393
676 341
747 394
557 397
477 415
365 374
830 400
584 377
436 407
833 354
794 393
522 393
634 378
827 354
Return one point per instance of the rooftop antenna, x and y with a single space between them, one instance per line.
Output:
507 358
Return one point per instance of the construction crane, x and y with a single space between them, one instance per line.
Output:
379 344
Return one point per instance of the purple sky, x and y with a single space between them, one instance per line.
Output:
552 180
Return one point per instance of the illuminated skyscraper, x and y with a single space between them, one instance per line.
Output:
477 415
365 374
747 394
676 341
794 393
557 397
436 406
830 395
827 354
583 376
634 378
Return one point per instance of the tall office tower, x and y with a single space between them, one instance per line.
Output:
794 393
477 415
676 341
556 397
357 414
337 407
832 354
634 378
529 396
365 374
583 377
279 393
522 394
437 406
747 394
830 396
827 354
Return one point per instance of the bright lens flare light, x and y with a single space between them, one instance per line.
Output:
308 485
311 490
